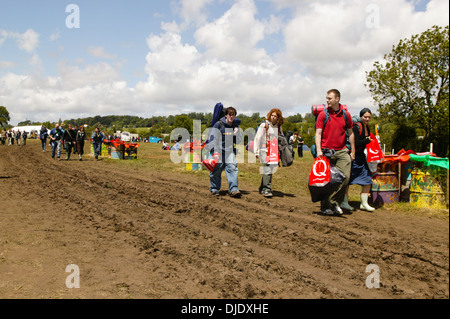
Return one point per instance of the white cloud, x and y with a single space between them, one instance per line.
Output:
335 45
234 36
36 63
99 52
193 12
95 89
55 35
27 41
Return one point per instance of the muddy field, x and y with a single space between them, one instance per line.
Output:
135 233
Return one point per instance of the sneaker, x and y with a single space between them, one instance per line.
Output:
328 212
338 210
215 193
235 194
268 194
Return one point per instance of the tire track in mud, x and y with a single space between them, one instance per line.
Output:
227 248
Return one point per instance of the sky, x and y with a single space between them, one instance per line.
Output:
74 59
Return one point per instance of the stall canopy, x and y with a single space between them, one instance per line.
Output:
429 160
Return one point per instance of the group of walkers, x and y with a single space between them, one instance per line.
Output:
71 139
334 130
11 137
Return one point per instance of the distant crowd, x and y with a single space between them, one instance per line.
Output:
10 137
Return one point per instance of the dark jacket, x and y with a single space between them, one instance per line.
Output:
226 131
43 133
361 140
285 152
57 134
70 136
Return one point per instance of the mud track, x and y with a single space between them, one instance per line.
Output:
140 234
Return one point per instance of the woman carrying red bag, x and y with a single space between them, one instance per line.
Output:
360 170
266 151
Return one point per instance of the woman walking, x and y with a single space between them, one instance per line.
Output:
360 170
267 131
81 137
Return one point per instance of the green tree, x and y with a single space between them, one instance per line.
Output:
184 121
412 87
4 116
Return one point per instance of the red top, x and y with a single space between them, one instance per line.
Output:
333 137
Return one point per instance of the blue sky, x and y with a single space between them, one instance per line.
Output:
150 58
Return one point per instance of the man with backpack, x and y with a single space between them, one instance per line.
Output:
224 135
331 129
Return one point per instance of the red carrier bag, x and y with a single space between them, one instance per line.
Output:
211 163
320 173
324 179
374 154
273 153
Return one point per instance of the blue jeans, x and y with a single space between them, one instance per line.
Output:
44 144
56 148
97 149
229 165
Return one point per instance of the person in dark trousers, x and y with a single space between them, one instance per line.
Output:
56 136
300 144
24 137
81 137
18 137
43 135
69 139
333 137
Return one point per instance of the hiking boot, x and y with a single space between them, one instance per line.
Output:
235 194
338 210
327 212
267 194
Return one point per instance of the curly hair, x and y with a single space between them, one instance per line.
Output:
280 116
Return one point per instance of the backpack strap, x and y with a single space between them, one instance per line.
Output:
327 118
360 127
